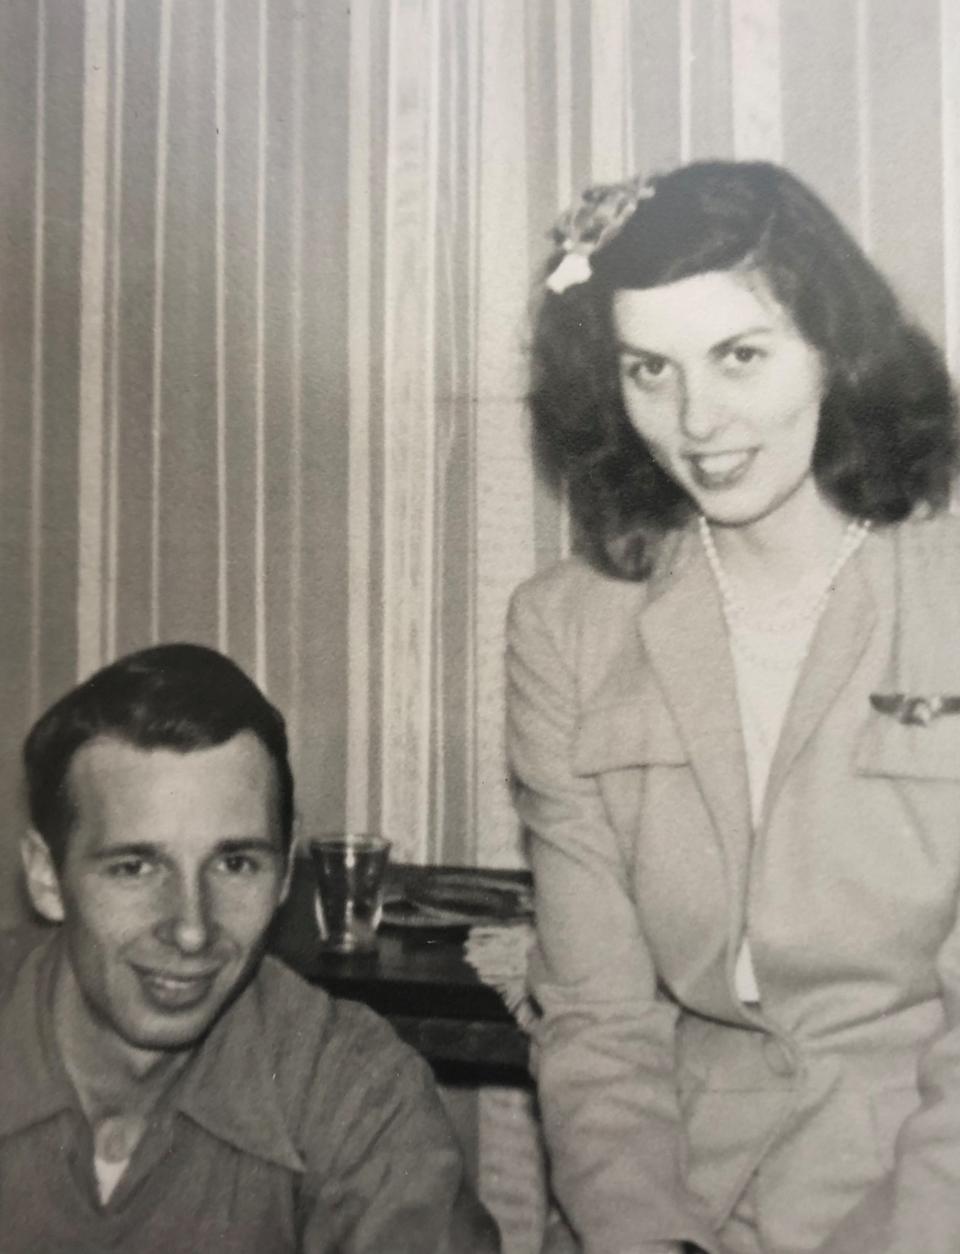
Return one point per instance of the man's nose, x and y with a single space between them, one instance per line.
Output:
188 920
701 412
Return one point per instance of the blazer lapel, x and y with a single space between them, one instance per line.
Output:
838 645
684 634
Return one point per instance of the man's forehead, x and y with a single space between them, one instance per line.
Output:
111 776
113 754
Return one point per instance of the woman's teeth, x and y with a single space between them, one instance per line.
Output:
720 469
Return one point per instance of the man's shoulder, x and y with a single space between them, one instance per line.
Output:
362 1111
296 1055
287 995
302 1020
328 1061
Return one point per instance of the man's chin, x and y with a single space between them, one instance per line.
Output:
160 1029
169 1037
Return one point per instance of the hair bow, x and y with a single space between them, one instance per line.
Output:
600 215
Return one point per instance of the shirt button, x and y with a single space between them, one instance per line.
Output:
778 1057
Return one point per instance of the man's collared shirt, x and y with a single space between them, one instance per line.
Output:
302 1124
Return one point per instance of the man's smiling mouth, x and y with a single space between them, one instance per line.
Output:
176 992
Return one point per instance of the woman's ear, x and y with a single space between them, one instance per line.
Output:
43 883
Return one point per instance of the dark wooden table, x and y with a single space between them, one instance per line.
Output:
419 981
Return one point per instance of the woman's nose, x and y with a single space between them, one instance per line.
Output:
701 412
188 921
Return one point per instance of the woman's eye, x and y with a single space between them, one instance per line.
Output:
744 354
647 371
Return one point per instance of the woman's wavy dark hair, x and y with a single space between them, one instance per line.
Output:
887 440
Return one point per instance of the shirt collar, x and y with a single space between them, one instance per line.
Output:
33 1083
228 1088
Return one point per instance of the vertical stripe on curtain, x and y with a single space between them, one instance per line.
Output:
950 157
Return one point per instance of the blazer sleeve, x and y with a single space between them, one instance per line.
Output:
604 1048
917 1205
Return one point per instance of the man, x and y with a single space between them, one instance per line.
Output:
163 1085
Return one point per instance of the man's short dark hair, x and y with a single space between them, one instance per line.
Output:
172 696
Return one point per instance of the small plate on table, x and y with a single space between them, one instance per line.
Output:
448 900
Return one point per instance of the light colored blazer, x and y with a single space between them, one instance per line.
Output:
838 1104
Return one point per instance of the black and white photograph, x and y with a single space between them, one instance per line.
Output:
479 626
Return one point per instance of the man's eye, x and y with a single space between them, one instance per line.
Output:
129 868
240 864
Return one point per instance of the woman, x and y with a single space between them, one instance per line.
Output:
734 727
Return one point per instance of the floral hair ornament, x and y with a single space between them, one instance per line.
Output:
601 214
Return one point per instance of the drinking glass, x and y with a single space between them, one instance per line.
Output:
349 867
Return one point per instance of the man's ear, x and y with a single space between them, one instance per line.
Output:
43 883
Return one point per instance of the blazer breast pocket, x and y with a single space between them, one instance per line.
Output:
925 751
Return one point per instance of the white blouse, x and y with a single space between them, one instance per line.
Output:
766 666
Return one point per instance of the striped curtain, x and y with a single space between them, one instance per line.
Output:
265 270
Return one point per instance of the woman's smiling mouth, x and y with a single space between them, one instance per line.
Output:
719 470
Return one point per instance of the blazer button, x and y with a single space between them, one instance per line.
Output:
778 1057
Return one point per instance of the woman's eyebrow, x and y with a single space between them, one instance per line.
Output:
722 345
633 350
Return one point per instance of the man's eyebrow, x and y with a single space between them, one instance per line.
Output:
248 844
130 849
146 849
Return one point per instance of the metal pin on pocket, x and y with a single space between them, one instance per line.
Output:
914 711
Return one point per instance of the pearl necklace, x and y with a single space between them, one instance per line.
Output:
777 643
739 615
